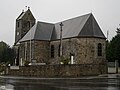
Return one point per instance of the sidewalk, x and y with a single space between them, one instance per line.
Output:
113 70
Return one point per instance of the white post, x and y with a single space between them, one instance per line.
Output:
72 60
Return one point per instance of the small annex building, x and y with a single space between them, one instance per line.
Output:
83 41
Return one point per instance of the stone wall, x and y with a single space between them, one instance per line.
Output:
60 70
3 70
83 49
39 51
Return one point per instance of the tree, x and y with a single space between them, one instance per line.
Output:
113 48
6 53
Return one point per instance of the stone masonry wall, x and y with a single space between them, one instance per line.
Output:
39 51
83 49
60 70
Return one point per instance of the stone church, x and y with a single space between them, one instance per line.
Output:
83 41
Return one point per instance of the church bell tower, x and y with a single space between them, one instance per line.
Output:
24 22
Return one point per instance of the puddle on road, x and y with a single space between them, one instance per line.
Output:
6 87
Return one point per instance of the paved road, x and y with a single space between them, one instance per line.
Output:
103 82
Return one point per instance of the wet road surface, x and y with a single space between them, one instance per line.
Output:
103 82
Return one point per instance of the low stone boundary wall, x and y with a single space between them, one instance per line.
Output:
2 70
59 70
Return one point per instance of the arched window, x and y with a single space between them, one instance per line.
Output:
52 51
99 49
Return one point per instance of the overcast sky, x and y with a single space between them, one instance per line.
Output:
106 12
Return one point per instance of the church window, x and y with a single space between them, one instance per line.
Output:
99 49
59 51
52 51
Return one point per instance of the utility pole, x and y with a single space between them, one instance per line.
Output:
61 29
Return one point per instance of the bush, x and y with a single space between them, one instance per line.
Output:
27 63
65 60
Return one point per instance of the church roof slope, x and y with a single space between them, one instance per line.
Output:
91 29
44 31
40 31
71 27
82 26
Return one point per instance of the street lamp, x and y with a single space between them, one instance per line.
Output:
61 29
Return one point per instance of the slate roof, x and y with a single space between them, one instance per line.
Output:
71 28
40 31
82 26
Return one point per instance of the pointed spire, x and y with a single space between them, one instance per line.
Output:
28 7
23 10
91 11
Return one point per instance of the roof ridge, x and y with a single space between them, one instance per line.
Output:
45 22
73 18
20 15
